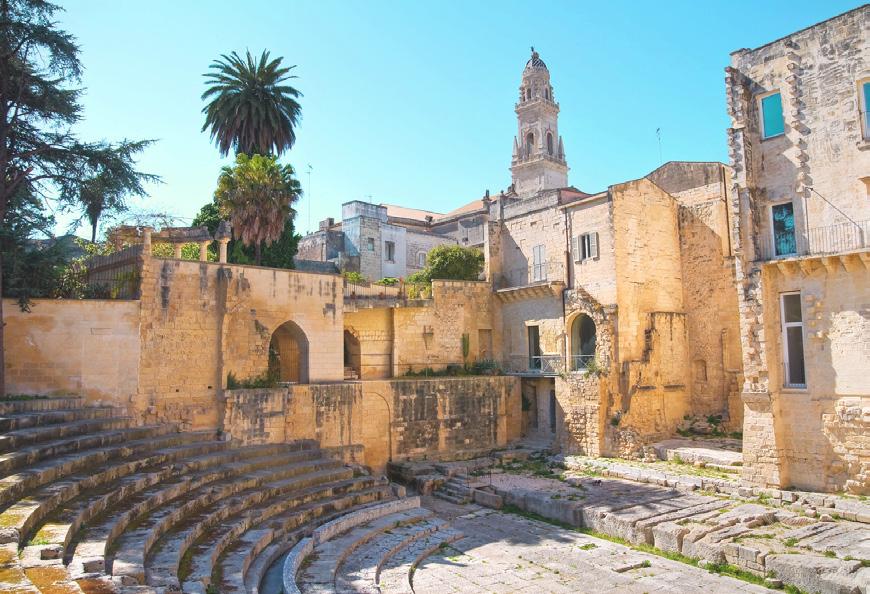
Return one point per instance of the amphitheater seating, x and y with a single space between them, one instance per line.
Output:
372 550
92 503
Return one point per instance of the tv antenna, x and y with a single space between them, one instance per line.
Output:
310 168
659 135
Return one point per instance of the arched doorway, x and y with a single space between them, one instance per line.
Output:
582 342
288 354
352 357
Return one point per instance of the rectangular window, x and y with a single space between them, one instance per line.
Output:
782 226
390 251
772 123
793 340
585 247
539 265
865 107
421 260
371 243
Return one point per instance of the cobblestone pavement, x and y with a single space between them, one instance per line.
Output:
508 553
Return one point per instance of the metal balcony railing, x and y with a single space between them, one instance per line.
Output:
817 241
545 365
581 362
532 274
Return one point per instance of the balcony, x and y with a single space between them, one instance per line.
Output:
535 366
544 279
842 238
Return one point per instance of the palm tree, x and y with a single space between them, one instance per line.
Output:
257 196
251 108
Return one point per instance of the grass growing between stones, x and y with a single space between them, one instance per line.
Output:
725 569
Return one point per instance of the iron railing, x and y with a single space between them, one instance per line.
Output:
116 276
532 274
546 365
817 241
581 362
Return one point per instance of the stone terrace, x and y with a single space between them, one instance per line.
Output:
91 503
800 539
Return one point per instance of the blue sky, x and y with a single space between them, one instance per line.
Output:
412 102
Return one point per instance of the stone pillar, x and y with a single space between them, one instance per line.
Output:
177 254
146 241
222 249
203 251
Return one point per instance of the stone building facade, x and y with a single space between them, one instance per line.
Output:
799 144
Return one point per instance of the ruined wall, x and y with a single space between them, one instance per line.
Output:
431 335
373 329
378 421
191 309
80 347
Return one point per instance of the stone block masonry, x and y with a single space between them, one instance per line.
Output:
441 418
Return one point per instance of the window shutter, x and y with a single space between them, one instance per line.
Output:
593 245
575 247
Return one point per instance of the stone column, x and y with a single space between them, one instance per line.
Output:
203 251
222 249
177 247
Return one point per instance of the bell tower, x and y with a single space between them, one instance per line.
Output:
538 161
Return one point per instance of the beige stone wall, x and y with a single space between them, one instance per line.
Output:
88 348
201 321
536 221
380 421
517 316
431 335
596 276
373 329
820 163
821 432
649 270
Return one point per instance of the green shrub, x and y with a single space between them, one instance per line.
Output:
353 276
267 379
388 281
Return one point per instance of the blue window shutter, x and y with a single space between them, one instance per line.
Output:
771 108
866 109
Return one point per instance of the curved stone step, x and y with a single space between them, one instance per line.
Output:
205 553
80 497
161 569
15 486
128 562
26 420
14 406
12 576
361 569
28 456
330 555
396 575
244 566
90 551
14 440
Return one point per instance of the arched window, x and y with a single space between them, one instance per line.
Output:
582 342
288 353
528 93
546 93
530 141
549 143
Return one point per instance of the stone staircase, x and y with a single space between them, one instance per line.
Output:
91 503
456 489
372 550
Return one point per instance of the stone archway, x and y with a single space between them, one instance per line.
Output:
288 353
583 342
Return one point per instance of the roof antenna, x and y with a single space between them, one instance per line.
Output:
659 135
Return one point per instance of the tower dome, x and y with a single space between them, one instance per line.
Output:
535 62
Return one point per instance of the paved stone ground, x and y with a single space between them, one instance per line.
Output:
508 553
